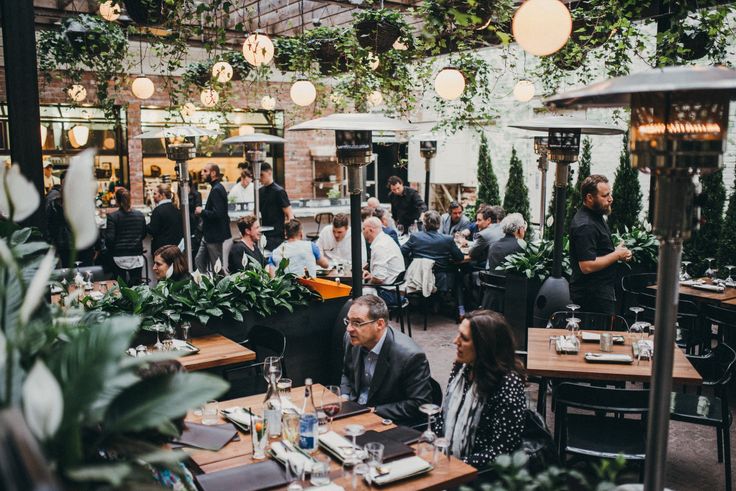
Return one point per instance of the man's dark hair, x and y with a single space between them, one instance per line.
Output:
497 213
214 168
341 220
487 212
590 185
245 223
366 212
292 228
454 205
394 180
431 221
379 213
376 306
246 173
266 167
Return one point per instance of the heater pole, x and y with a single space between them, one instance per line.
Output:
561 173
186 224
356 249
543 166
427 170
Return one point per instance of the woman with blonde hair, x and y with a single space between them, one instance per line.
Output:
165 227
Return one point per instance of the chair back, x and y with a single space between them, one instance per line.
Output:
725 319
324 218
717 366
592 398
493 290
589 320
436 392
266 341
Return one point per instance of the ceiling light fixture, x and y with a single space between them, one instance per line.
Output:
542 27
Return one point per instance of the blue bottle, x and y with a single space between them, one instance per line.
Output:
308 422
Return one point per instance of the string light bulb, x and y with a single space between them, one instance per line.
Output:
258 49
542 27
209 97
303 92
375 98
449 83
79 135
110 11
77 93
268 103
188 110
222 71
524 90
142 87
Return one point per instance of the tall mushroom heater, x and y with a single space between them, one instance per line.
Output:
428 149
354 140
540 148
679 122
563 146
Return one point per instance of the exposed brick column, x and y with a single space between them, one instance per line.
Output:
135 153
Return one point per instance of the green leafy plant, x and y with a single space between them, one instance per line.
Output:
642 243
626 193
488 192
727 243
704 242
516 196
535 260
378 29
574 200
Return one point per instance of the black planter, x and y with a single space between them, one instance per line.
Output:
519 305
327 54
698 44
377 36
148 12
84 40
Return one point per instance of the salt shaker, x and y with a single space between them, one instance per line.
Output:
606 342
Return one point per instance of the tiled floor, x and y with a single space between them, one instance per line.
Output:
691 461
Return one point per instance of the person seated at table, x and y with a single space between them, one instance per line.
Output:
454 220
248 245
383 368
514 228
169 263
489 226
388 229
303 255
334 240
243 191
386 261
483 411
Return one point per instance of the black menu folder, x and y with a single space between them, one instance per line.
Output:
351 408
251 477
208 437
403 434
392 449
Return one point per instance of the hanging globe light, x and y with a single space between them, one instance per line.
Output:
303 92
258 49
375 98
542 27
399 46
524 90
110 11
44 134
188 110
449 83
209 97
268 103
222 71
77 93
373 61
142 87
246 129
79 135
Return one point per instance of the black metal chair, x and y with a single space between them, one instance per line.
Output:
589 320
691 334
492 290
401 307
264 341
541 384
321 219
724 320
594 433
632 285
717 369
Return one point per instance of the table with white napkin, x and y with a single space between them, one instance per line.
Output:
399 469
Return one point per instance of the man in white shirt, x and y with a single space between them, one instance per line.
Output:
386 263
334 240
49 179
243 191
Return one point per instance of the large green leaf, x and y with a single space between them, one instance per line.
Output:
153 401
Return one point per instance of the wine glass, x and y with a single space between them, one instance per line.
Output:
400 229
355 430
684 275
710 272
429 409
272 368
637 328
730 280
331 402
89 280
168 313
159 346
573 307
573 327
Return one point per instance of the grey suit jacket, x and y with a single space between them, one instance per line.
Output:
400 381
483 242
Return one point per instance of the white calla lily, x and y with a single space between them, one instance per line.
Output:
197 277
18 194
37 289
3 352
80 188
245 261
218 266
169 271
6 255
43 403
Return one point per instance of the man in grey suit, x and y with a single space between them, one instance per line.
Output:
383 368
489 232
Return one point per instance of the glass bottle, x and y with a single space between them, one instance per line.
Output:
272 408
308 423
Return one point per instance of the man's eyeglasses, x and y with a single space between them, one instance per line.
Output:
355 324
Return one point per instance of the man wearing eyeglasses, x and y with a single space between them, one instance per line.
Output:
383 368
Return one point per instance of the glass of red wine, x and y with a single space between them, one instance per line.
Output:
331 402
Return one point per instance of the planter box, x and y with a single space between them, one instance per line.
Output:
519 305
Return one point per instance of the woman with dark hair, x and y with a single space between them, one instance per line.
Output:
169 263
165 226
124 235
483 413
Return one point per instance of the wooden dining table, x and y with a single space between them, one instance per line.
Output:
731 304
446 474
704 295
215 351
543 360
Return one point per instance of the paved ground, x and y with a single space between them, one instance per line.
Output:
691 463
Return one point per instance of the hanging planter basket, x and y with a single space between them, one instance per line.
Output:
328 55
698 44
148 12
241 68
378 36
86 36
199 73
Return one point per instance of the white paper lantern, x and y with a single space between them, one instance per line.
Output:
542 27
222 71
44 134
109 11
449 84
399 46
303 92
188 110
209 97
246 129
258 49
373 61
268 103
524 90
77 93
375 98
79 135
142 87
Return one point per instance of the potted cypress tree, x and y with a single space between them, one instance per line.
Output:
626 194
488 192
516 197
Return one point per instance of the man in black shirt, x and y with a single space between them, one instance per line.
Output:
249 244
592 255
406 204
215 221
275 207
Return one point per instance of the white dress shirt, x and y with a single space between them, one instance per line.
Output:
387 262
339 251
241 194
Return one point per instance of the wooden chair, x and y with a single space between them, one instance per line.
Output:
321 219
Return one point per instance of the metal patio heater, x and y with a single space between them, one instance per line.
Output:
180 151
679 122
354 141
428 149
540 148
256 155
563 146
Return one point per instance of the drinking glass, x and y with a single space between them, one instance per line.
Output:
710 272
374 453
441 458
185 328
572 326
430 410
684 276
294 473
637 328
210 413
259 436
320 471
730 280
331 402
284 388
169 329
158 328
573 307
290 427
354 430
359 471
89 280
272 367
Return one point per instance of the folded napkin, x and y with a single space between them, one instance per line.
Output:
400 469
564 345
238 415
710 288
327 487
298 460
608 357
336 445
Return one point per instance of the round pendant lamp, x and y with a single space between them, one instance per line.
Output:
449 83
542 27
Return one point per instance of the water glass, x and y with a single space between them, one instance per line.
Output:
374 452
320 471
210 413
441 458
185 327
290 427
259 436
284 388
531 398
606 342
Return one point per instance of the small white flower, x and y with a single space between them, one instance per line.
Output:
80 188
6 255
245 261
647 226
18 192
43 403
169 271
218 266
3 352
197 277
37 289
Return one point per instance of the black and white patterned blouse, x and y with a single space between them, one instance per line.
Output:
501 421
